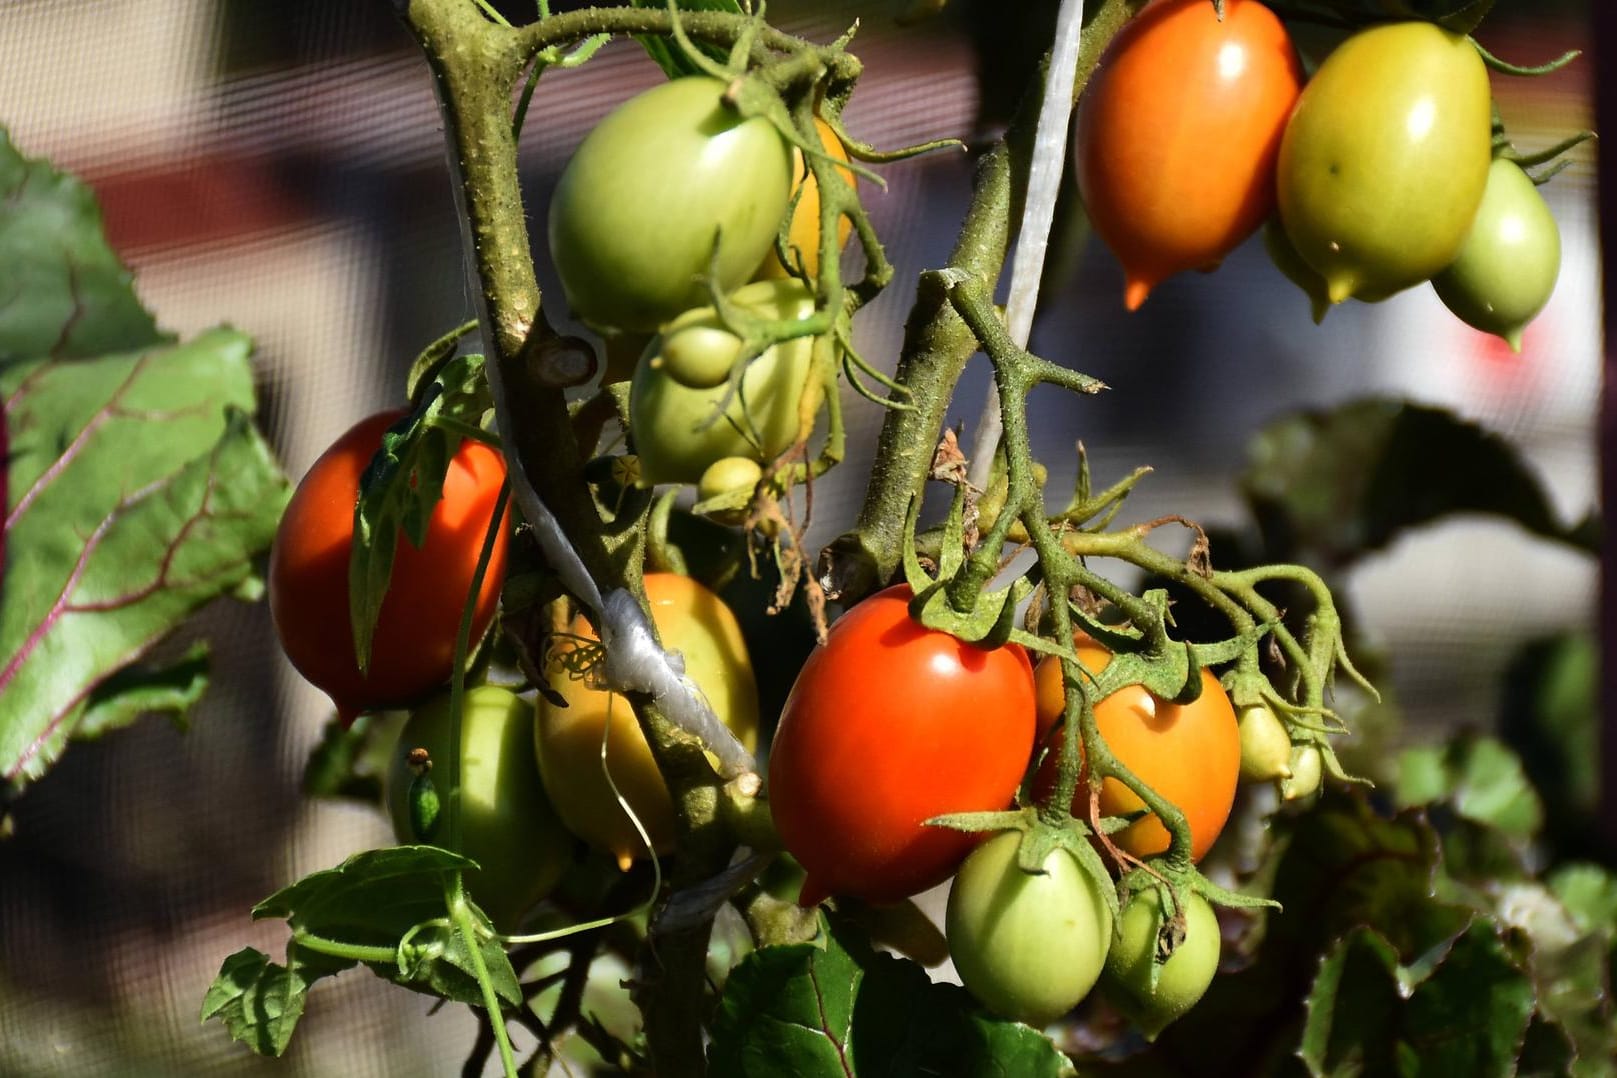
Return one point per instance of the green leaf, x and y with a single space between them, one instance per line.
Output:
63 292
403 484
1589 893
1346 866
1369 1014
666 53
1334 485
114 536
387 909
1550 715
386 892
259 1002
379 898
440 963
1481 778
350 761
144 690
836 1007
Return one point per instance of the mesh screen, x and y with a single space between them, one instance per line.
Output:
279 166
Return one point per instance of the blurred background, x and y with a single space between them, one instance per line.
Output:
280 167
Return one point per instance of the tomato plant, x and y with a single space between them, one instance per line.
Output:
1188 753
803 241
413 650
507 824
568 741
679 431
1155 1000
1028 945
1506 270
1178 132
888 725
1384 161
921 701
654 188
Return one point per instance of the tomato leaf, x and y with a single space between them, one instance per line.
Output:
666 53
837 1007
1589 894
1370 1014
386 909
63 292
1551 717
1481 778
259 1001
141 690
403 484
123 534
350 761
1334 485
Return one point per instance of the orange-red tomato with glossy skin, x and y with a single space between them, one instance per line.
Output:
889 724
413 651
1188 753
1177 135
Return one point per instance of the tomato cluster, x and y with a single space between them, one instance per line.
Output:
644 257
891 724
1376 176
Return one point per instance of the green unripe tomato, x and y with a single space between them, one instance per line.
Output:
671 423
1265 745
1029 947
728 476
1504 274
1182 979
639 208
507 823
1383 163
1307 770
696 350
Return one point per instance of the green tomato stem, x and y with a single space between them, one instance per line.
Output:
337 949
937 344
462 916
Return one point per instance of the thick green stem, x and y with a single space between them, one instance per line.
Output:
937 344
475 64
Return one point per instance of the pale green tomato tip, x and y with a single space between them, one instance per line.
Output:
1513 337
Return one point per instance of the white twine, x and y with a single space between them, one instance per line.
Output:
634 661
1044 183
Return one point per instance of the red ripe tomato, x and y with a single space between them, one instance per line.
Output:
1188 753
413 651
889 724
1177 135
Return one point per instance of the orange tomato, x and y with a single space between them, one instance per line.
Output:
413 650
1177 135
1188 753
805 234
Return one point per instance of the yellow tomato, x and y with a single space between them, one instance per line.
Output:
692 621
805 234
